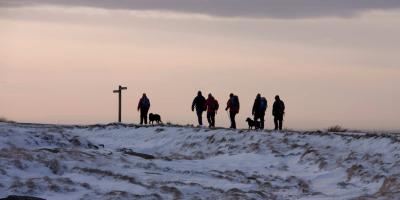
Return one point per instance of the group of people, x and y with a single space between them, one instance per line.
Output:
201 104
211 106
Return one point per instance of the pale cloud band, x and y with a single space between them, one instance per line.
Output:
230 8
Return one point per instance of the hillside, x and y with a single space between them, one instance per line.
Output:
101 162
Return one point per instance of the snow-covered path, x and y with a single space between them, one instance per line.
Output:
93 162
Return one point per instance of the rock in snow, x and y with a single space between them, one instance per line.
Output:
176 162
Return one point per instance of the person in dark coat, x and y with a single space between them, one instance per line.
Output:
199 103
278 111
259 108
212 107
233 106
143 107
263 108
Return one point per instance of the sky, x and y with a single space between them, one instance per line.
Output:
333 62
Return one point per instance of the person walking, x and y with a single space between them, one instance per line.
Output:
263 109
143 107
259 108
278 110
233 106
199 103
212 107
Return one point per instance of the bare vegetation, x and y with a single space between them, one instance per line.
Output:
3 119
106 173
336 129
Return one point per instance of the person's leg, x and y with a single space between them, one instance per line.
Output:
141 116
233 122
255 117
262 115
199 117
276 123
145 116
211 122
231 118
213 119
209 119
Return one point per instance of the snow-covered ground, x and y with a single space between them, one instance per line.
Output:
94 162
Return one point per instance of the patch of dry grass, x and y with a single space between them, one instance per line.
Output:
336 129
3 119
106 173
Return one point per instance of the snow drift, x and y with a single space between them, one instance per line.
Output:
100 162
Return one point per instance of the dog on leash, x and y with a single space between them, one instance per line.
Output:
252 123
154 118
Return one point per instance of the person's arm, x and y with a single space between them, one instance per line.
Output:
139 104
238 104
228 104
215 106
193 104
274 108
254 107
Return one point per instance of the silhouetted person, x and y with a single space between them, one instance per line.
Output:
143 106
259 108
264 106
212 107
233 105
278 111
199 103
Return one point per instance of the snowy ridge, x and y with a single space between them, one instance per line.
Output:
93 162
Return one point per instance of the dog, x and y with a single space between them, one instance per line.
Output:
252 123
154 118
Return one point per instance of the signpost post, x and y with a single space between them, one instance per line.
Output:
119 91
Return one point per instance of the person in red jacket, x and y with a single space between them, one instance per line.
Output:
212 107
233 106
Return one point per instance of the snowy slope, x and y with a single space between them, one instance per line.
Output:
93 162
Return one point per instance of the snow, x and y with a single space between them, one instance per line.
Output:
88 162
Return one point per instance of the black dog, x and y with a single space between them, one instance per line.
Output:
252 123
154 118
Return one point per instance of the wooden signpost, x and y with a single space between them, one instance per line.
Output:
119 91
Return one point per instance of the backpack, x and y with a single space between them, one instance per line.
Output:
145 103
263 104
216 105
235 102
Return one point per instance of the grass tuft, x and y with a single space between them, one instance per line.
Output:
3 119
336 129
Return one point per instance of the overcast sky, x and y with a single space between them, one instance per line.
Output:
332 62
231 8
